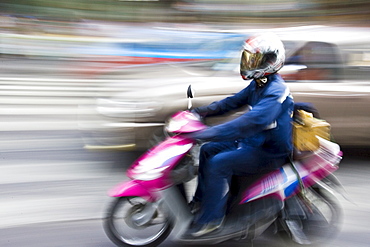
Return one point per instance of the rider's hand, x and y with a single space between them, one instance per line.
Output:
192 135
201 135
195 113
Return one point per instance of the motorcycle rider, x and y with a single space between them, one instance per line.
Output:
257 142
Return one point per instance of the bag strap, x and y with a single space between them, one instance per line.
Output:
302 192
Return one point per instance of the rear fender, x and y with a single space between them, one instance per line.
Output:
131 188
333 186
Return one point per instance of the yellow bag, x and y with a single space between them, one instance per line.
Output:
305 130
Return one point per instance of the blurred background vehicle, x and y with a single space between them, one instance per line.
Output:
317 70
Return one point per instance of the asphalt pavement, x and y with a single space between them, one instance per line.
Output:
53 192
45 198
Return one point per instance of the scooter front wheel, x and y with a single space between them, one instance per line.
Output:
133 221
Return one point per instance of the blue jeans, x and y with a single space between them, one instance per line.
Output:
218 162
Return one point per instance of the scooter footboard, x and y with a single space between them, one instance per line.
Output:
259 209
246 221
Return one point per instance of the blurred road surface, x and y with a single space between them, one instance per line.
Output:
53 192
57 198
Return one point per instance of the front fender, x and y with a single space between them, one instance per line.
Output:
129 189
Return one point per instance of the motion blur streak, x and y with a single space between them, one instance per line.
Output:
71 70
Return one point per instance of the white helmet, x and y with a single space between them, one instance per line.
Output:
262 55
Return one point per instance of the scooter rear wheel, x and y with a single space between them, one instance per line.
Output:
133 221
324 217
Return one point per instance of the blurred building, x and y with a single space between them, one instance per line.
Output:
264 11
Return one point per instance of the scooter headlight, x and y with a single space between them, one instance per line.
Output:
174 125
155 165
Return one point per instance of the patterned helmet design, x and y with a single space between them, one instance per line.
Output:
262 55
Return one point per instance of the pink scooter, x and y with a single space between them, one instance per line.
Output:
299 201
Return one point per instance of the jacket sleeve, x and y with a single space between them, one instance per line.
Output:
225 105
264 113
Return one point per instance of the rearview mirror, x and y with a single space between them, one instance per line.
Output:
190 95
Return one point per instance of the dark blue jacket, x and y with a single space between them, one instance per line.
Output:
267 125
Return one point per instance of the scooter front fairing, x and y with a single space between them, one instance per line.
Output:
152 171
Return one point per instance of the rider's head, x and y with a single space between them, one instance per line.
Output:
262 55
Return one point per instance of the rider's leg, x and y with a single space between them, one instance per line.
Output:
207 151
219 170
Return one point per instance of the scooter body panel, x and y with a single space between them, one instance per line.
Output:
151 171
132 188
284 182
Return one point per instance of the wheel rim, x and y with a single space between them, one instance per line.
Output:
124 227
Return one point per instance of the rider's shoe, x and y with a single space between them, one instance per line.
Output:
198 230
297 233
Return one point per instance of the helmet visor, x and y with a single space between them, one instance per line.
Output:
250 61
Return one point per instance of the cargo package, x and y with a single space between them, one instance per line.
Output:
305 130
